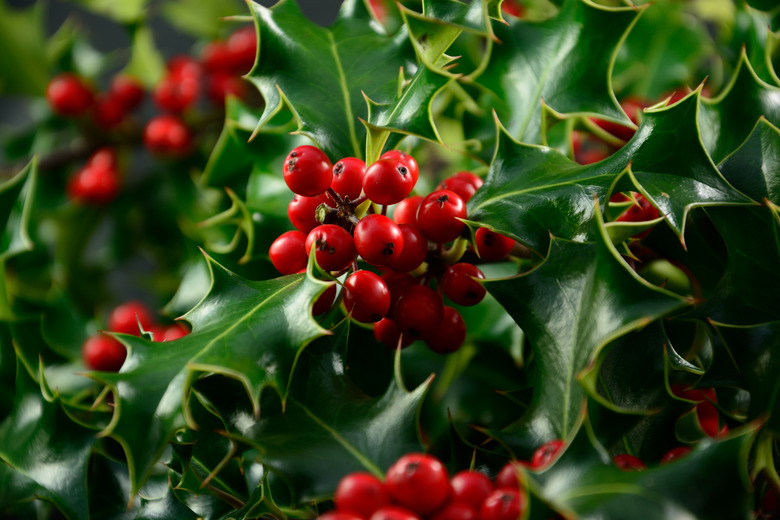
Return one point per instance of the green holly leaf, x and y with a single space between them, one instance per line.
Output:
745 294
251 331
752 31
146 63
710 482
47 449
128 12
754 168
329 427
321 74
199 18
569 68
24 68
727 120
582 297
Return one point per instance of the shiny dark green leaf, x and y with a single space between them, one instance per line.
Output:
755 167
23 69
322 74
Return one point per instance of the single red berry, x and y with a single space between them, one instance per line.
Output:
450 334
414 252
127 91
107 111
167 135
104 158
456 511
127 317
366 297
103 353
94 185
302 211
157 331
387 333
627 462
348 177
492 246
242 46
406 159
360 493
504 504
175 331
378 239
438 216
674 454
215 57
513 7
470 487
387 181
405 212
546 453
324 301
397 283
334 247
307 171
68 95
587 149
633 107
184 66
176 93
460 284
287 252
339 515
641 211
474 179
511 475
418 311
393 513
419 482
220 85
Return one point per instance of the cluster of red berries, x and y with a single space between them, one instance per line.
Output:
97 183
418 486
408 249
106 354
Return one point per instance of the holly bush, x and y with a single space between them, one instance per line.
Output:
628 152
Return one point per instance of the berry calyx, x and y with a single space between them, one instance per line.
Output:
378 240
387 181
460 284
418 482
68 95
288 252
127 317
438 216
406 159
103 353
366 297
491 246
360 493
307 171
334 248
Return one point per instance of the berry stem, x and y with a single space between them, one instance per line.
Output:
455 252
336 196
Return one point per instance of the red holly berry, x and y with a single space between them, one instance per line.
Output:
387 333
333 245
448 337
418 482
94 185
640 211
511 475
68 95
339 515
546 453
104 158
387 181
627 462
674 454
414 252
438 216
405 212
167 135
456 511
418 311
406 159
107 111
460 284
127 317
175 93
360 493
307 171
366 297
378 240
504 504
465 184
633 107
215 57
393 513
513 7
397 283
174 332
221 85
242 46
127 91
184 66
324 301
491 246
348 177
288 252
302 211
103 353
471 487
